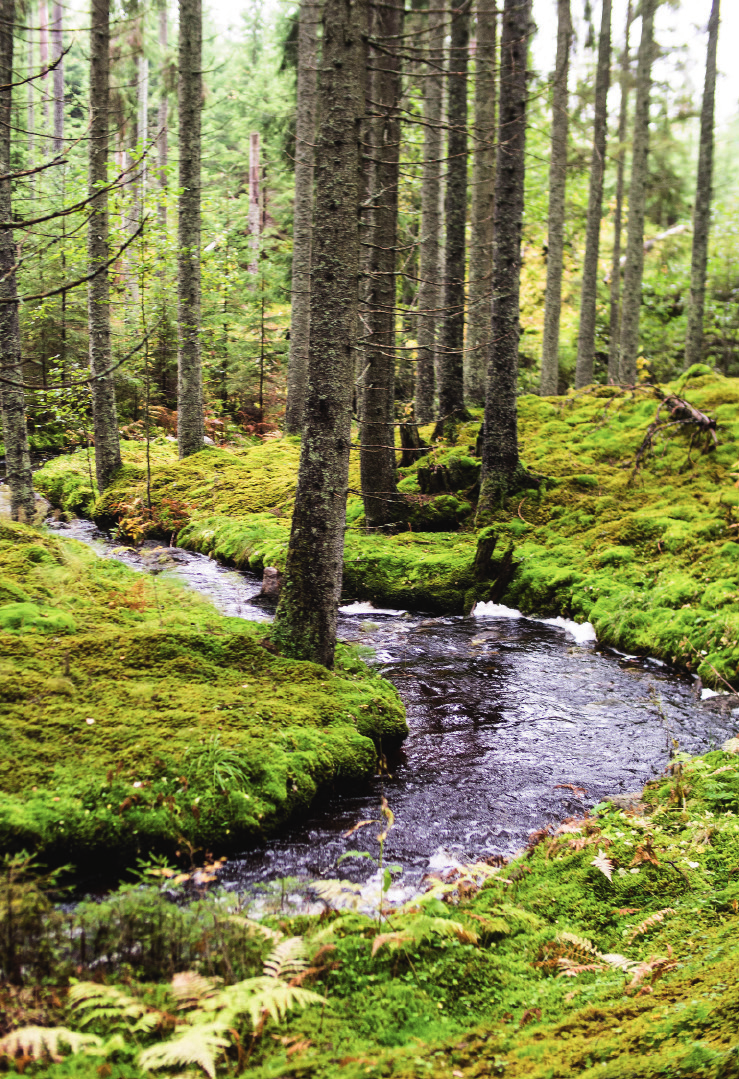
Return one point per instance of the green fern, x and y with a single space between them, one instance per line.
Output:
201 1044
110 1005
420 928
35 1043
287 959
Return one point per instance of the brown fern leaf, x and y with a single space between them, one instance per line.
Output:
190 988
649 923
571 969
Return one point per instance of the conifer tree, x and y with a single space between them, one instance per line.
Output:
614 318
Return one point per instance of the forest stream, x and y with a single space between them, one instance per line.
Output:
514 724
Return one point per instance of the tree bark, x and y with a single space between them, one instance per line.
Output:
305 134
483 201
15 435
589 292
163 118
189 365
306 617
142 123
703 195
428 272
377 453
30 107
43 46
557 188
57 48
255 214
614 320
104 418
451 353
502 470
634 268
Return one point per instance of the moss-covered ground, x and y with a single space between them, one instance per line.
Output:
608 948
135 717
649 556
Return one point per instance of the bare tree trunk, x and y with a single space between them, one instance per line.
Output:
483 201
557 188
104 418
614 322
451 353
30 108
17 459
142 124
255 211
428 287
305 134
306 617
635 236
502 471
189 364
588 296
57 48
43 22
163 118
703 194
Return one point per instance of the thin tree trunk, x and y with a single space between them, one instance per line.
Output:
163 118
483 202
189 365
614 322
703 194
30 109
377 453
255 213
305 134
635 235
104 418
502 470
142 124
588 296
306 617
557 188
57 48
428 287
451 354
43 45
17 460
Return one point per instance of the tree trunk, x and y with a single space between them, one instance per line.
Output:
17 460
189 366
428 272
305 135
255 213
104 418
377 453
162 118
635 234
502 470
43 46
142 124
306 616
588 296
483 201
451 354
703 193
57 48
30 107
557 187
614 321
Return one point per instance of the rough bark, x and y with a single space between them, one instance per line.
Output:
483 201
305 133
502 470
451 351
428 272
104 418
17 460
634 268
377 453
163 118
557 188
57 48
588 295
189 367
703 194
614 319
306 616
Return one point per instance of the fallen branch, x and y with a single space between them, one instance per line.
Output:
680 414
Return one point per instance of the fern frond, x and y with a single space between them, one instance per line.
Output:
106 1003
571 969
420 928
200 1044
255 928
338 893
189 988
257 998
579 942
38 1042
287 959
649 923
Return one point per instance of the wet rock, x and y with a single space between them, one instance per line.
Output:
630 800
271 582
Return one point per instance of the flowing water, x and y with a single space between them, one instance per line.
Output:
513 724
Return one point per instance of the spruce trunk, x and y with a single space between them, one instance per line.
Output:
189 365
428 287
451 351
104 418
483 201
162 118
557 188
588 296
377 454
57 48
307 612
502 471
703 193
614 319
17 459
634 268
305 134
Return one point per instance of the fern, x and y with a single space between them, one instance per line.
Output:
258 998
649 923
34 1043
423 928
201 1044
338 894
287 959
190 988
110 1005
